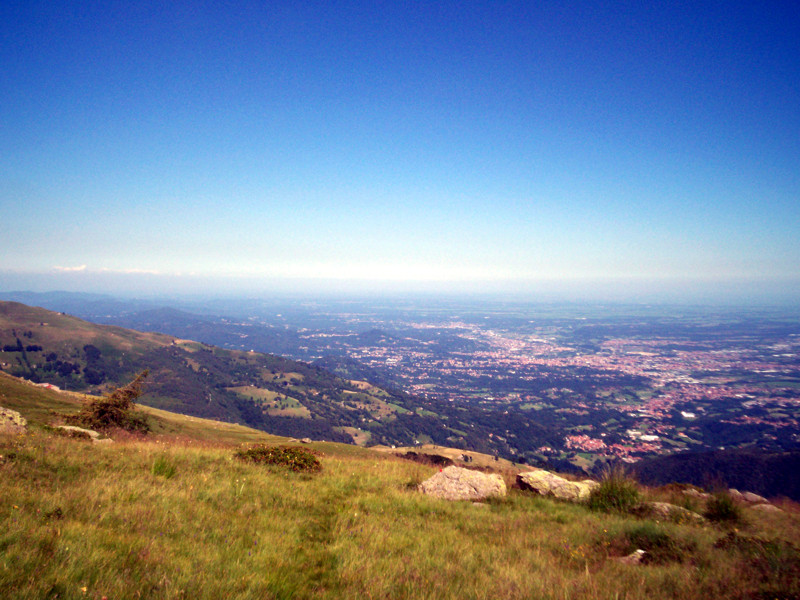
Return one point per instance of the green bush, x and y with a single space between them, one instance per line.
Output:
293 457
617 492
721 508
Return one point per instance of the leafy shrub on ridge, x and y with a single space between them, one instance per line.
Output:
295 458
114 410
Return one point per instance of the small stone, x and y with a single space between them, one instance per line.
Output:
634 558
664 511
72 428
695 493
767 508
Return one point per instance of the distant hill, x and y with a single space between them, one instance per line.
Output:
769 474
264 391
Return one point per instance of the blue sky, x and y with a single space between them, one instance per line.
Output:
643 147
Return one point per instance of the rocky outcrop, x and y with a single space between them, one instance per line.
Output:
664 511
11 421
549 484
456 483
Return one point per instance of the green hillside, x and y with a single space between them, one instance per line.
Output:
174 515
264 391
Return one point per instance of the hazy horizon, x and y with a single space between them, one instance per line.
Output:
683 292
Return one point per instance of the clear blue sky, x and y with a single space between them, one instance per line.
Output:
459 145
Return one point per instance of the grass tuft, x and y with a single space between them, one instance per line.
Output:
163 467
721 508
617 492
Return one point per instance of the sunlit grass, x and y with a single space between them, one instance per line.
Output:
108 519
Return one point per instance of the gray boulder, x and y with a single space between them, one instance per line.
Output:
736 495
456 483
754 498
549 484
766 508
11 421
664 511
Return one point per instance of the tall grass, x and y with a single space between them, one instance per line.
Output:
83 521
617 492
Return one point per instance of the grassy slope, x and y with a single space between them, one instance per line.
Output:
183 371
90 521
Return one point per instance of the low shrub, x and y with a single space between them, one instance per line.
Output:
661 547
617 492
772 567
721 508
294 457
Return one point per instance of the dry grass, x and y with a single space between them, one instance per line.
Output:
174 515
156 518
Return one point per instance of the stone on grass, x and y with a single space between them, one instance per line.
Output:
89 433
456 483
754 498
80 430
664 511
549 484
766 508
736 495
634 558
11 421
695 493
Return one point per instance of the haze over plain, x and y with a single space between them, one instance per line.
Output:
595 151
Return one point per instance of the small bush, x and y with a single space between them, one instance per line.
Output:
772 567
721 508
660 546
162 467
293 457
114 410
618 492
